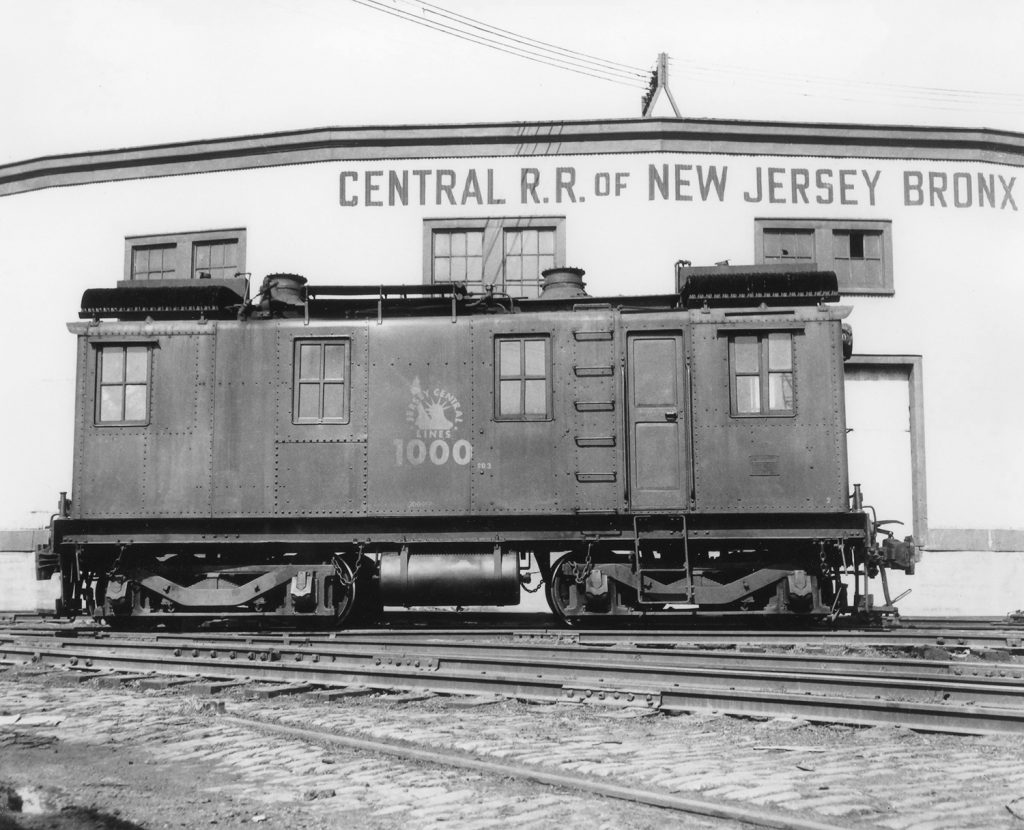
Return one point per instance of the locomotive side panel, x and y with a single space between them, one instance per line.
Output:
144 421
421 443
767 419
244 420
179 447
319 454
522 399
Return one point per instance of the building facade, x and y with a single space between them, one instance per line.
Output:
924 228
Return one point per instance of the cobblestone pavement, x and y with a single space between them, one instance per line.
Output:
880 777
166 760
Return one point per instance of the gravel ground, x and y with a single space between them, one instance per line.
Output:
76 755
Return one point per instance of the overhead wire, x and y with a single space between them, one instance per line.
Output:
502 44
440 19
614 65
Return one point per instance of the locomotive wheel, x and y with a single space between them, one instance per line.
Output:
558 593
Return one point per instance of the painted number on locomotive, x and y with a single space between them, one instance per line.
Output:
416 451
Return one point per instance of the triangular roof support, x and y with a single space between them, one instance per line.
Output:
659 82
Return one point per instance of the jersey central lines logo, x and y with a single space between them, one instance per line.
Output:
435 413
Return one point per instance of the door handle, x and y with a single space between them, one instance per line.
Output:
672 415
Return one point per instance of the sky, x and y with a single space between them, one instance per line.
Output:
81 75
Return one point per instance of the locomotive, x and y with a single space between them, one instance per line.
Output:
317 450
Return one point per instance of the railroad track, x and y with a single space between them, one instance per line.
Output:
941 695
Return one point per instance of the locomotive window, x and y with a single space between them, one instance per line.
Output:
522 388
320 391
761 367
122 385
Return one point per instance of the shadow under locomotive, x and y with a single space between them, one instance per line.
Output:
311 452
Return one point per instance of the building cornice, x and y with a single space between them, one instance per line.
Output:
515 139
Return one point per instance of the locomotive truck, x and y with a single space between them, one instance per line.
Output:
314 450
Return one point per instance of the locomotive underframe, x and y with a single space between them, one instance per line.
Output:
594 566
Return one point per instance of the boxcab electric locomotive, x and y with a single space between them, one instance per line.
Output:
315 450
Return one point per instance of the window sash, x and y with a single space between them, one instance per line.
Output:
761 369
122 385
858 250
509 253
216 258
522 369
186 255
153 262
320 381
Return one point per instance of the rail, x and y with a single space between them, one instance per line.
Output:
935 695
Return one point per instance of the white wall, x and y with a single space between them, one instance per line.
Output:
19 590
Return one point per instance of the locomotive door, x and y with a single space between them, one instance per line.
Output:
656 414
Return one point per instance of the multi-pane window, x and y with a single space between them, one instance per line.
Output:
523 379
122 385
320 388
859 251
153 262
508 253
788 245
217 255
762 374
458 257
527 253
857 256
216 259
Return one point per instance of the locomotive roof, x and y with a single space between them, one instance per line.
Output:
715 287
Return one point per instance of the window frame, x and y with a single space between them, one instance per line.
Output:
764 372
494 229
823 233
100 349
322 381
522 377
184 253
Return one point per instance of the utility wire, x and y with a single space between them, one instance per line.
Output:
502 45
479 24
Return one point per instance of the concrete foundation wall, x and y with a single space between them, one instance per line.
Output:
19 589
960 583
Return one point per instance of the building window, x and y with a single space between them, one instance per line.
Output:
122 385
788 246
761 368
458 257
320 388
215 255
860 252
522 379
153 262
528 252
508 253
215 260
